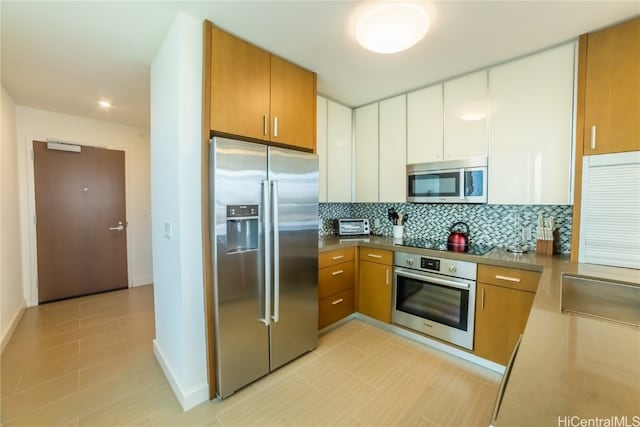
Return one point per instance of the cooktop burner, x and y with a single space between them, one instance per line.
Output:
440 245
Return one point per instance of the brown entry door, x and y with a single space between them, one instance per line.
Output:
80 221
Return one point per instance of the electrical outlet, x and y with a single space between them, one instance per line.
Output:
376 222
526 233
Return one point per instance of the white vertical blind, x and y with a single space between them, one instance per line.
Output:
610 232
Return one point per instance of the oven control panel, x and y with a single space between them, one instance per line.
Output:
449 267
430 264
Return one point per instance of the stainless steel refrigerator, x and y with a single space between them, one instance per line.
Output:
264 235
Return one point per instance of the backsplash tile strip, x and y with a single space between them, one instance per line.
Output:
489 224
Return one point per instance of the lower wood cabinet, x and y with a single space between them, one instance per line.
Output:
335 285
375 283
503 301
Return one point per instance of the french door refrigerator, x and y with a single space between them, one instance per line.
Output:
264 239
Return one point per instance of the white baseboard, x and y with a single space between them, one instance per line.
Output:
187 400
13 325
141 281
432 343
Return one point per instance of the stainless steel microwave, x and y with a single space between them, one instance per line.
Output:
455 181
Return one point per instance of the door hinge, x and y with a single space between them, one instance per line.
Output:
35 220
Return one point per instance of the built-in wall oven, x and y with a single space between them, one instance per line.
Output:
435 296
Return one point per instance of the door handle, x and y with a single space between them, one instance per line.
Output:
119 227
266 221
508 279
276 251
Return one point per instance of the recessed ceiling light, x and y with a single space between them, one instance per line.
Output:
392 27
104 104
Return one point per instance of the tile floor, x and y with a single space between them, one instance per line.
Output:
89 362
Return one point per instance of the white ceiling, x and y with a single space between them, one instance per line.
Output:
65 55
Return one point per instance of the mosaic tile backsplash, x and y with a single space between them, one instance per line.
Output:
495 225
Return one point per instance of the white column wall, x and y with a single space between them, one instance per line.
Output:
176 117
12 301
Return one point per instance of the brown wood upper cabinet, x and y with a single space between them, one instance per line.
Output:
261 96
612 90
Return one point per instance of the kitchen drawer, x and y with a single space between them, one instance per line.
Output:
513 278
376 255
334 308
334 279
337 256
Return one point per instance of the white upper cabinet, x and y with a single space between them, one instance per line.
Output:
321 146
531 128
425 125
366 137
334 148
466 112
393 150
340 148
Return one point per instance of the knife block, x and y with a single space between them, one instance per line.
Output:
548 247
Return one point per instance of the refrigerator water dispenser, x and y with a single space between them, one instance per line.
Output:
242 228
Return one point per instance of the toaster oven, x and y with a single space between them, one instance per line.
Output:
352 227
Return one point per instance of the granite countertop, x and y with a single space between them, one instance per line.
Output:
567 366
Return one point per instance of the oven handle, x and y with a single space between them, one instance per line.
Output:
437 281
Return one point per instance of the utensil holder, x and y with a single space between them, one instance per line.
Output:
398 231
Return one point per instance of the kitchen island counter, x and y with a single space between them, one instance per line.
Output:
568 368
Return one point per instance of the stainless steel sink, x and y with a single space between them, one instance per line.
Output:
603 299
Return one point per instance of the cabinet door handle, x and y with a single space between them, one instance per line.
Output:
265 125
335 273
337 257
374 256
593 137
338 301
275 126
482 298
507 278
386 277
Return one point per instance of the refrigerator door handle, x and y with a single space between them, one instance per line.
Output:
276 252
266 214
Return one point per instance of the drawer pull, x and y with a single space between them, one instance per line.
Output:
482 299
335 273
507 278
375 256
338 301
337 257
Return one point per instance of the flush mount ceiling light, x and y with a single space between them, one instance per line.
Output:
104 104
392 27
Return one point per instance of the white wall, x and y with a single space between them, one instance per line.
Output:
12 301
176 123
34 124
